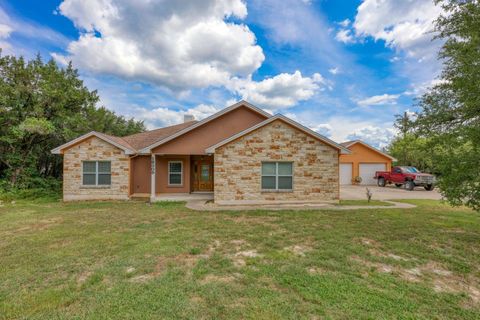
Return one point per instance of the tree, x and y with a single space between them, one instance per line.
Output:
411 150
404 124
43 106
450 110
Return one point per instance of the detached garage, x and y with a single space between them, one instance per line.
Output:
362 162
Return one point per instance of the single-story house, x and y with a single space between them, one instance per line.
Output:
362 161
241 154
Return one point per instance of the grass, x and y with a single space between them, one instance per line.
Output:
125 260
364 203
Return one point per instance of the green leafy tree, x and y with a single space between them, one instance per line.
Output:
450 110
43 106
411 150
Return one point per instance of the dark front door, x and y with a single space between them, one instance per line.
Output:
202 173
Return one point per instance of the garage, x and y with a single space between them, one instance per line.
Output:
345 173
367 172
362 161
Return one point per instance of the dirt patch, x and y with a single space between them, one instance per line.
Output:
368 242
41 225
442 280
379 253
183 260
298 250
238 258
84 277
214 278
315 270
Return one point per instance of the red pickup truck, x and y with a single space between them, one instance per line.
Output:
410 177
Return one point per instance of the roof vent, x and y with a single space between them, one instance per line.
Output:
188 117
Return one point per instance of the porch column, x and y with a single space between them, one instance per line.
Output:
152 179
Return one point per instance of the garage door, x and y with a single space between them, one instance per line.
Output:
367 172
345 173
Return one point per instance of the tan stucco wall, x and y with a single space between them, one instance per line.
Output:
90 150
237 166
196 141
140 167
161 174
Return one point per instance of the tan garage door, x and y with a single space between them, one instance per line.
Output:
345 173
367 172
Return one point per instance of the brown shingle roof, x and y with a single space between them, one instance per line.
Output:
143 139
119 140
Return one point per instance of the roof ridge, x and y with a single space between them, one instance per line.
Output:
161 128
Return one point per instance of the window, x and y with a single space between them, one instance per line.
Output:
97 173
277 176
175 169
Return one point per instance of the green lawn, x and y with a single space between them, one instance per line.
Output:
131 260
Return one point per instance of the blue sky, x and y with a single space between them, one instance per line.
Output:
343 68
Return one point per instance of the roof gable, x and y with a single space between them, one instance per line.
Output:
349 144
115 141
148 148
289 121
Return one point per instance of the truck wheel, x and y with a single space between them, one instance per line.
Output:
398 185
429 187
409 185
381 182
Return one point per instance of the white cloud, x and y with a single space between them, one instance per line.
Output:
345 36
379 100
403 25
375 136
345 23
279 92
179 45
334 71
5 31
161 117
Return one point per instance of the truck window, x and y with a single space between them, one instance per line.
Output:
397 170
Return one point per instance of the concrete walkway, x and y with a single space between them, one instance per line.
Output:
387 193
202 205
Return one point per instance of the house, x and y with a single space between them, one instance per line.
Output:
242 154
362 162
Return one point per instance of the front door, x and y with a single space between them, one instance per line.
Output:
202 173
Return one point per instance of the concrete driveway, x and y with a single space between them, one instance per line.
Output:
386 193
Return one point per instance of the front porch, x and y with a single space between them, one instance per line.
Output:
181 177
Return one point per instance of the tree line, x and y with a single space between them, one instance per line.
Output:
41 107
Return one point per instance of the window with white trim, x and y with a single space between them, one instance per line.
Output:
97 173
277 176
175 173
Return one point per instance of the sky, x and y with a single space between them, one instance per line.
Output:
343 68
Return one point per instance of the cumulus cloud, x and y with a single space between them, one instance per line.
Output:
375 136
279 92
161 117
379 100
179 45
334 71
345 23
345 36
403 25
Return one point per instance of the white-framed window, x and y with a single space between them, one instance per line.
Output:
175 173
277 176
96 173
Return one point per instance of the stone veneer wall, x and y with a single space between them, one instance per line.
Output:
95 149
238 167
